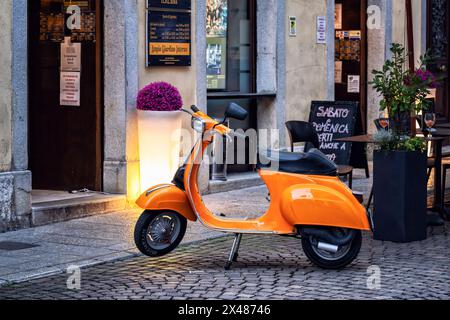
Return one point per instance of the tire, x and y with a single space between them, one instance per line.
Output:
152 235
338 262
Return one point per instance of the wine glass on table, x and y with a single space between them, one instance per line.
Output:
384 121
430 121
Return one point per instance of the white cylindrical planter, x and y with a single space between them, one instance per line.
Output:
159 146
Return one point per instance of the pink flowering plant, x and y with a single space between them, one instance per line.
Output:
159 96
403 90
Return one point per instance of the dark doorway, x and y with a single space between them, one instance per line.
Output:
351 55
351 67
438 43
65 141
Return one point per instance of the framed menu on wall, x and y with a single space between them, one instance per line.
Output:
169 33
170 4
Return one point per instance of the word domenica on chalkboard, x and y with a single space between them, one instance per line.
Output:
334 120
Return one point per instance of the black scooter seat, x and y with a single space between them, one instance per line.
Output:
312 162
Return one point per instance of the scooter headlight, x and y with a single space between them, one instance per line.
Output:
198 125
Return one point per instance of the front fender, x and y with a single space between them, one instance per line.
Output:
319 205
167 197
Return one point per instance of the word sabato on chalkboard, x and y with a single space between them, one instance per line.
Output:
334 120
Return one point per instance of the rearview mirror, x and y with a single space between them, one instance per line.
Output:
235 111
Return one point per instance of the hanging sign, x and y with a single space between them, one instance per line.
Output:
338 16
321 30
338 69
353 84
292 26
70 89
70 56
169 33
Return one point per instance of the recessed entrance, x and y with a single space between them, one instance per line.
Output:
65 133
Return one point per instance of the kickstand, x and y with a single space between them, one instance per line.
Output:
234 254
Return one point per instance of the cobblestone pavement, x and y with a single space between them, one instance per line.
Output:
103 238
269 268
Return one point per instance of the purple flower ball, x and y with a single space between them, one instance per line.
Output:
159 96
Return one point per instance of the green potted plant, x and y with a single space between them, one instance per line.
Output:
400 162
159 122
403 91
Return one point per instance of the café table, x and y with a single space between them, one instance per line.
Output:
443 126
437 139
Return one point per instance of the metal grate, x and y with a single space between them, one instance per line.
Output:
15 246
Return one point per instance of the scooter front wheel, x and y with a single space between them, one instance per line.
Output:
159 233
332 260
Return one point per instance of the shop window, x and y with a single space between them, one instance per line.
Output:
230 45
231 57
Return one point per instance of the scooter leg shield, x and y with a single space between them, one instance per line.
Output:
167 197
318 205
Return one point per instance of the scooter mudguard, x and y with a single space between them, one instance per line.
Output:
321 205
167 197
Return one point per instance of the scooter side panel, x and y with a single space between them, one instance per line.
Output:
322 205
167 198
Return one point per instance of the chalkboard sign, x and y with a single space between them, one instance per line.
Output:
334 120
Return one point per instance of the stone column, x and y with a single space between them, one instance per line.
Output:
121 86
271 66
378 43
15 180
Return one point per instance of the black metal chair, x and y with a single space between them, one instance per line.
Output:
304 132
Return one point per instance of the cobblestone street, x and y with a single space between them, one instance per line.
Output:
268 268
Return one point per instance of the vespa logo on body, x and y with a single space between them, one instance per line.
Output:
74 20
74 280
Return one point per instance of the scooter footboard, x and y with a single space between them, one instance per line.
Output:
167 197
318 205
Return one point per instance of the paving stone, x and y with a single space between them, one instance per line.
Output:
196 272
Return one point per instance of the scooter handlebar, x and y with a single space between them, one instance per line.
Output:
195 109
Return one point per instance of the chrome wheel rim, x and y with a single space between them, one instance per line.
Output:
330 256
163 231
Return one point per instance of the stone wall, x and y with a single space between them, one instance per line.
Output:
5 86
15 181
15 200
306 61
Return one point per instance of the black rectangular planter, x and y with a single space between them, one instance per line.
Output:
400 196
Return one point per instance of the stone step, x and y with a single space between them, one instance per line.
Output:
45 213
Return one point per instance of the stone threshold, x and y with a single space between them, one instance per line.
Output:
81 206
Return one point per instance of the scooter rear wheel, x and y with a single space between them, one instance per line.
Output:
345 255
159 233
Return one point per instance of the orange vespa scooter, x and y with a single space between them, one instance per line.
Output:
308 201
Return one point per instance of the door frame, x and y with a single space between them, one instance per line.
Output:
446 118
99 84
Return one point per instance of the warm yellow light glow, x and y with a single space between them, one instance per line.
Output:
159 146
133 184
